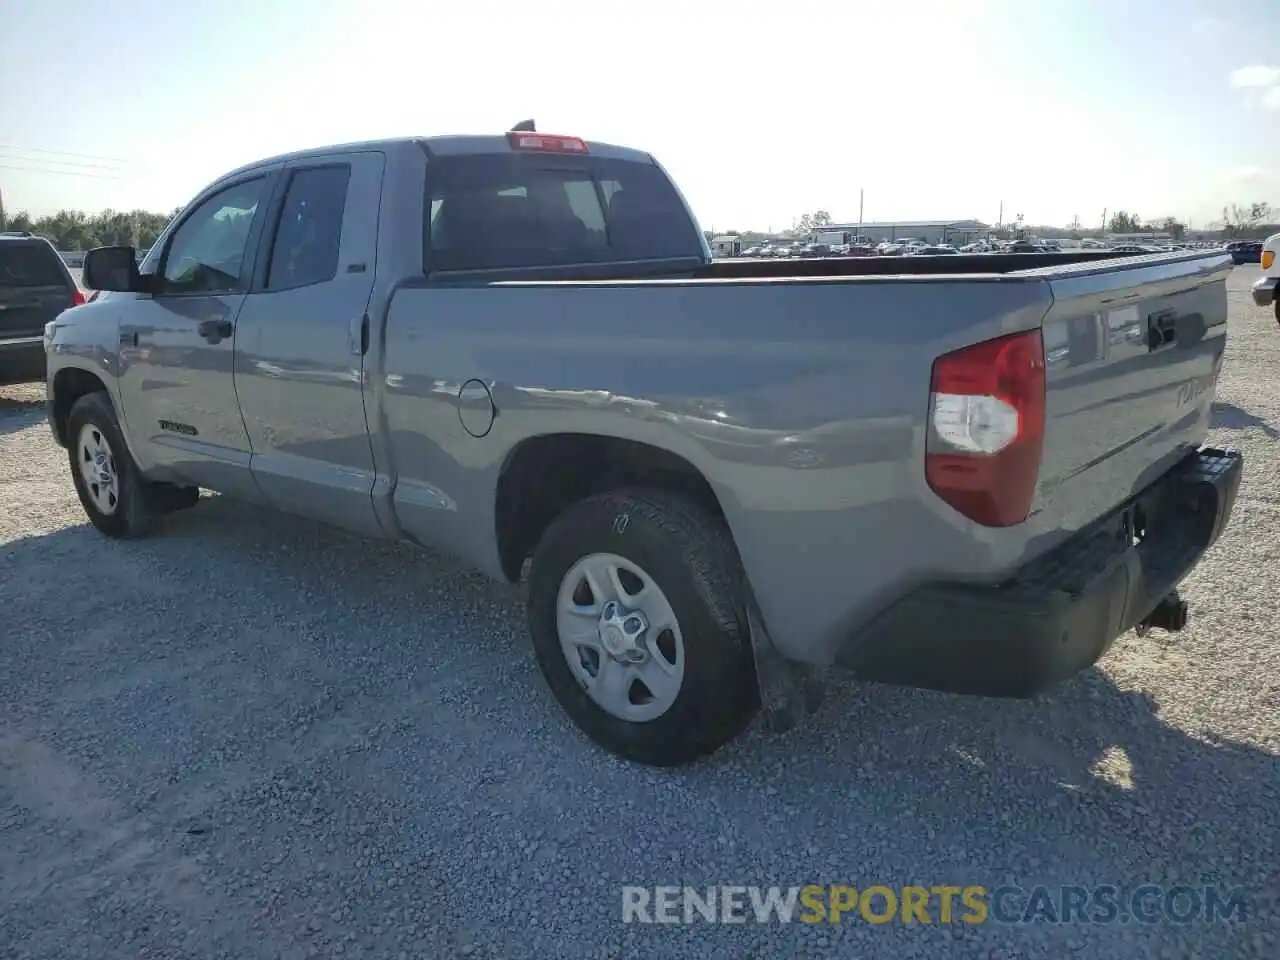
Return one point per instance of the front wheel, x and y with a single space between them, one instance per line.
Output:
108 482
636 614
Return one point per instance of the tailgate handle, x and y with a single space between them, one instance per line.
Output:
1162 329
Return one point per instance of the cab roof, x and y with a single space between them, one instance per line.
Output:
451 145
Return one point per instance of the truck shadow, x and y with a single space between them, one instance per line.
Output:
1102 775
1227 416
393 648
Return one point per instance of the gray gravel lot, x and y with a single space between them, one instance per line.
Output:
251 736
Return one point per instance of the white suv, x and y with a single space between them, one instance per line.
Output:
1265 287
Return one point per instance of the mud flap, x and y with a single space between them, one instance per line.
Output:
789 691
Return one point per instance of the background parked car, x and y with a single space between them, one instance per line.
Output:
1249 251
35 286
1023 246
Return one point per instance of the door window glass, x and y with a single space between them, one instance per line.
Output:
309 235
208 250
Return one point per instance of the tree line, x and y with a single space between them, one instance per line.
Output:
1238 220
77 230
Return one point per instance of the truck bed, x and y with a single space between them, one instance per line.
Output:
977 263
800 390
829 268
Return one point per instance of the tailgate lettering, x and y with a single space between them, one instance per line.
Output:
1193 390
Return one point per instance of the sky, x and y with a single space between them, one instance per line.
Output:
761 110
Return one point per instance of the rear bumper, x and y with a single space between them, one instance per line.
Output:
1060 613
21 345
1264 290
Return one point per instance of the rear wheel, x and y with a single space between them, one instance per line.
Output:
635 611
117 499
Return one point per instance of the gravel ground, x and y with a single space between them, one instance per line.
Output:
251 736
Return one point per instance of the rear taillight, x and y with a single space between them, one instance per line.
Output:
986 428
77 298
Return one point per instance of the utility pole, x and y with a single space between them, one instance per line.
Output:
861 197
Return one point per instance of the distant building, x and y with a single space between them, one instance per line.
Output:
726 245
930 231
1149 237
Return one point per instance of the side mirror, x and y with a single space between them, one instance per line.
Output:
112 268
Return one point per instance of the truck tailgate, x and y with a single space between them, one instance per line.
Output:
1132 354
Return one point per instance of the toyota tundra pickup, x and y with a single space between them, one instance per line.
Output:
969 473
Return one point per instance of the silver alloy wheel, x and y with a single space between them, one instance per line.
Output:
98 469
620 637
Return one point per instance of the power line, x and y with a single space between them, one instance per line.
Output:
65 173
61 153
63 163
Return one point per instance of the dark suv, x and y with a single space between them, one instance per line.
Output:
35 286
1246 251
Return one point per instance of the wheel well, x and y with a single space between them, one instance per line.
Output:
545 475
69 385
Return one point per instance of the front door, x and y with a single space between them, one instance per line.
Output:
177 343
301 340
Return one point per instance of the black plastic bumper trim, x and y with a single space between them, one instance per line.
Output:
1264 290
1060 613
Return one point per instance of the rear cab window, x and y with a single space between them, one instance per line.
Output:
501 211
31 263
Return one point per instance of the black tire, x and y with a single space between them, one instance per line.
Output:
690 555
135 513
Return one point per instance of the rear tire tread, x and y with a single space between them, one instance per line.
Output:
692 555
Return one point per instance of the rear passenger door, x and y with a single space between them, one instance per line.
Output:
302 337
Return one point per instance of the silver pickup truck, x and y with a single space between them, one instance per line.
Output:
970 473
